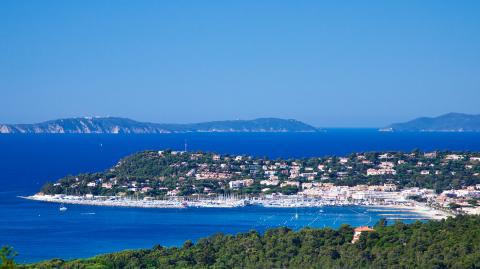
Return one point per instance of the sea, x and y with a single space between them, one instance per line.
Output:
39 231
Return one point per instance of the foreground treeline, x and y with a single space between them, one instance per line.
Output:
451 243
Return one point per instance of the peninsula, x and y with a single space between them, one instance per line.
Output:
451 122
447 181
115 125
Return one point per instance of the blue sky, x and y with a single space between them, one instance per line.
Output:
328 63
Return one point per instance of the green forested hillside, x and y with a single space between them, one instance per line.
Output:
451 243
154 173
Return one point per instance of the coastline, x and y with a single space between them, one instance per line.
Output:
420 209
97 202
412 211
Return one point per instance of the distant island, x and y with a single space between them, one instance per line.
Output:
115 125
451 122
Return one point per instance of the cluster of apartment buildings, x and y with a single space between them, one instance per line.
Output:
464 200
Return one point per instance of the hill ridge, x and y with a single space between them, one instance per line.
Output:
450 122
118 125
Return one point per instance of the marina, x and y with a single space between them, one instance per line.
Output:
403 209
81 231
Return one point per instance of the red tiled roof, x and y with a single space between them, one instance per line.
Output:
363 229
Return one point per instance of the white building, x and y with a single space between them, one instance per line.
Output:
237 184
453 157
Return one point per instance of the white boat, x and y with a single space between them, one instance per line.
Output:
62 208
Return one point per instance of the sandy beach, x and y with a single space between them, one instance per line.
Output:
428 212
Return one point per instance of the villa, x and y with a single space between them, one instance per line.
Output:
358 232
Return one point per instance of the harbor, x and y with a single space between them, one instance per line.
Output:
405 210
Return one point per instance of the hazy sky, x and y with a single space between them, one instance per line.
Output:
328 63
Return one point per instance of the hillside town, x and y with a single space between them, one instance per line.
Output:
443 180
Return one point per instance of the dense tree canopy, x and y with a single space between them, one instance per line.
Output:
451 243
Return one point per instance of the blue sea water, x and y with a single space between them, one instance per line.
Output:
40 231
